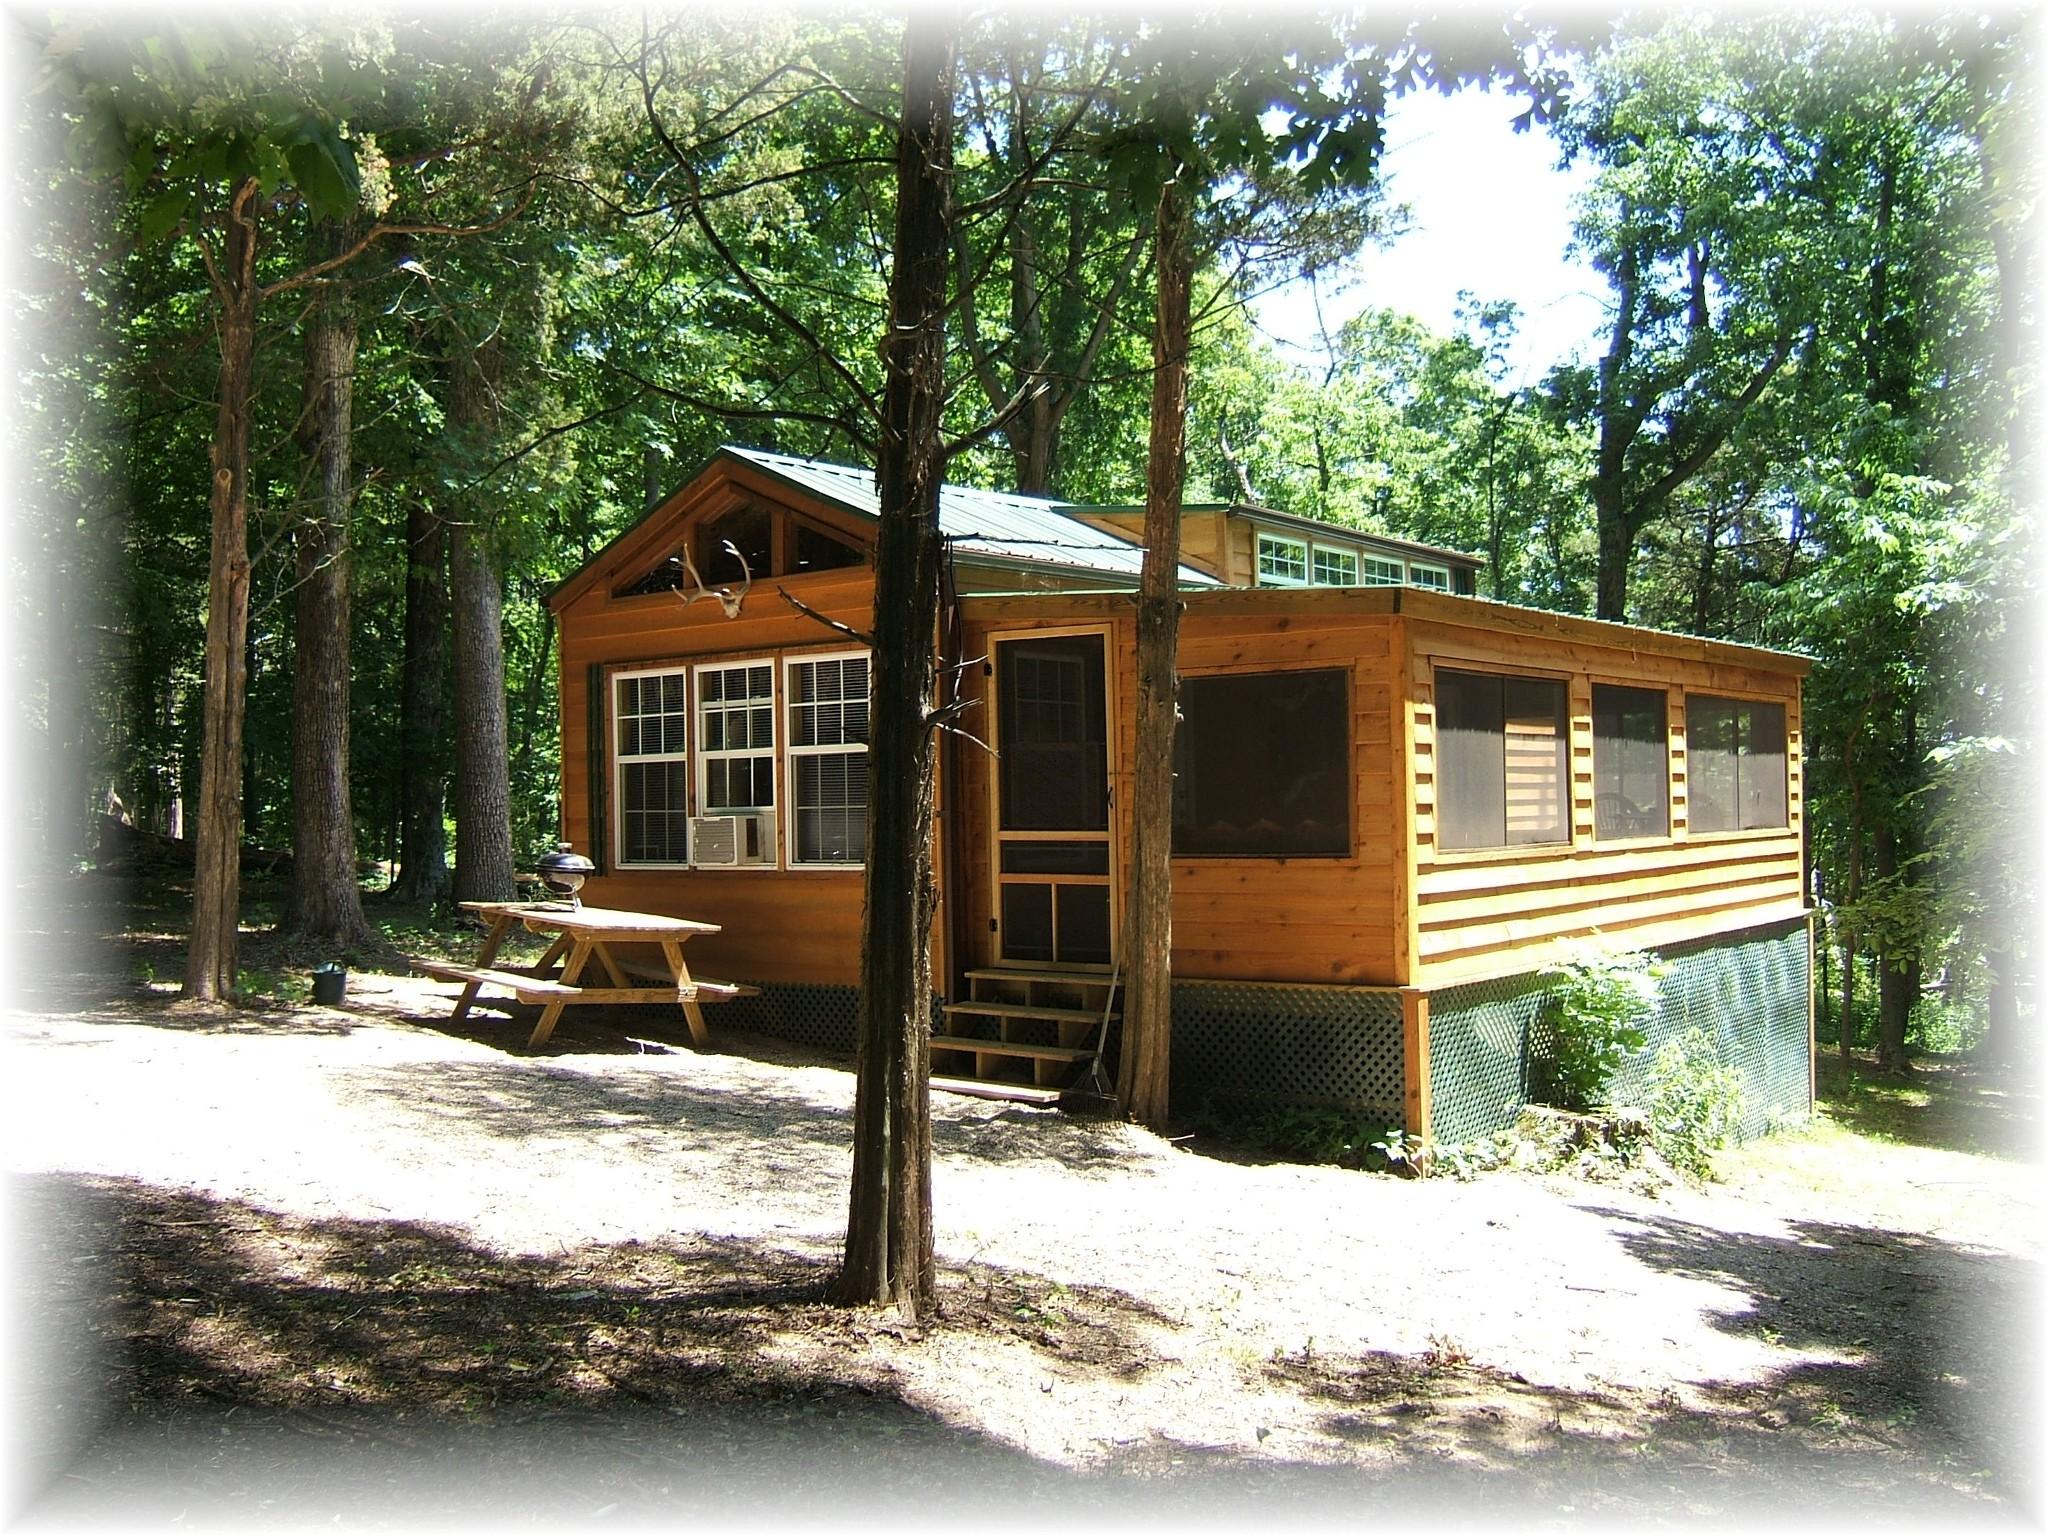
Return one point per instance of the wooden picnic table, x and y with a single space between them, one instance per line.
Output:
584 935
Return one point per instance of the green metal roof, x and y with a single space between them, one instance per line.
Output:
992 526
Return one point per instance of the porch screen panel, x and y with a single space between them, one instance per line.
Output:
1631 762
1471 762
1735 764
1533 751
1501 760
1262 766
1764 798
1055 754
828 760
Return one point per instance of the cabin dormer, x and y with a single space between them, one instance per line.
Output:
1243 545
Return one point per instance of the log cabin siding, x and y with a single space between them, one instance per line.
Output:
1508 911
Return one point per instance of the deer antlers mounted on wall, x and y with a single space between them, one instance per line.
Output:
728 598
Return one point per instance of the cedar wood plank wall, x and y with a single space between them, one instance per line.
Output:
1474 914
1209 541
779 924
1309 920
1503 912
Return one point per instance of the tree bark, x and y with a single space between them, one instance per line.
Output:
1852 890
1900 975
1142 1081
483 784
216 878
2002 1005
888 1260
422 774
1894 973
1619 421
323 902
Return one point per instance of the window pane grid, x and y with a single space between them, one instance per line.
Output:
736 737
1335 568
1283 561
828 729
1436 577
652 734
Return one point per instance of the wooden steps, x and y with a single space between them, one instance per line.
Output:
976 1088
997 1010
1011 1048
1071 978
1026 1035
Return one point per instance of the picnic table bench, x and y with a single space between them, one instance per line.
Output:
583 936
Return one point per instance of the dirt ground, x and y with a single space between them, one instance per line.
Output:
312 1266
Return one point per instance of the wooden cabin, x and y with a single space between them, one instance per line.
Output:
1395 806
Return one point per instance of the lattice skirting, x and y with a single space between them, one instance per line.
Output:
821 1016
1259 1043
1749 990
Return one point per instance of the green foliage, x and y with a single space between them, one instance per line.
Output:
1695 1103
1937 1027
1341 1137
1404 1153
1591 1022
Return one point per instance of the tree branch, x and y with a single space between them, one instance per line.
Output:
809 612
551 433
741 412
380 230
694 183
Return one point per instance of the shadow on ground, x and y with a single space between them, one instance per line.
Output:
207 1359
1954 1103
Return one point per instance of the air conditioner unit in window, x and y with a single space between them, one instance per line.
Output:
727 841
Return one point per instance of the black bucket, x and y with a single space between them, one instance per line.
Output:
329 981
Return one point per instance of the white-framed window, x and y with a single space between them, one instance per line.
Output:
1378 572
736 750
827 702
650 751
1283 562
1334 567
1435 577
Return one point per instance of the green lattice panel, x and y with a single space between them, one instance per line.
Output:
1325 1046
1479 1055
1748 990
825 1017
1751 995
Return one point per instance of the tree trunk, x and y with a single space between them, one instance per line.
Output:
1148 991
483 784
1852 890
1619 421
1900 975
422 776
323 902
216 876
1703 578
1894 992
889 1220
2002 1005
